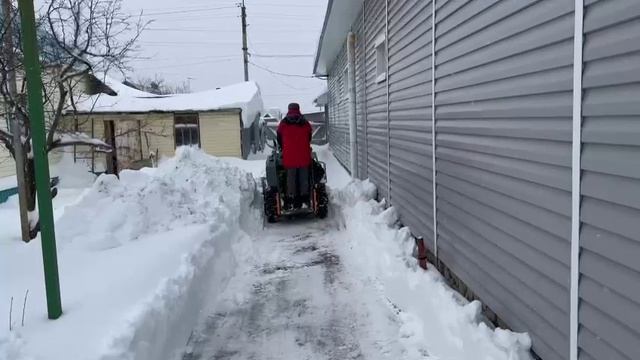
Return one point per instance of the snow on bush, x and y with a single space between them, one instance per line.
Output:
435 319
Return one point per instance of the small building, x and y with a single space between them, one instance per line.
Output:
143 127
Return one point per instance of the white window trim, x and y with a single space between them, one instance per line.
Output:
380 41
345 83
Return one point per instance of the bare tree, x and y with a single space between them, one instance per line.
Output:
159 86
77 38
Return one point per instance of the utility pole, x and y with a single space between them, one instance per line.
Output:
36 116
14 118
245 49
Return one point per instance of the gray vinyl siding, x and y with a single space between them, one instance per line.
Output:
610 214
338 122
410 114
376 100
360 96
503 118
504 84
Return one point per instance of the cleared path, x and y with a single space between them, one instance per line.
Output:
297 302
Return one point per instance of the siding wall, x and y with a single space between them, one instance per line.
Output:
610 234
376 100
156 135
220 133
361 118
504 72
410 114
338 122
503 104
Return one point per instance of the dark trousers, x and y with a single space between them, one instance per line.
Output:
298 182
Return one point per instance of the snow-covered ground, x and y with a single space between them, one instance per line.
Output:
174 263
8 182
137 257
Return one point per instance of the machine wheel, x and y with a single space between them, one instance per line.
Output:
271 205
322 201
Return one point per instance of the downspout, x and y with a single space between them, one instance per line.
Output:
576 159
364 90
351 59
386 44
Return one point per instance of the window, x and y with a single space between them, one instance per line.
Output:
381 58
344 85
187 131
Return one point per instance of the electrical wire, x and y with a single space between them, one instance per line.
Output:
187 11
281 74
281 55
283 31
194 63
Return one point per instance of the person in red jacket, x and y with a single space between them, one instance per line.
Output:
294 138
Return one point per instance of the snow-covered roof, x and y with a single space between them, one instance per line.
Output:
245 96
337 23
323 98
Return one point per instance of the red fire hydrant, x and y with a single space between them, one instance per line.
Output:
422 253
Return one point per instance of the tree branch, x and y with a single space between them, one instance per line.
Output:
79 139
6 140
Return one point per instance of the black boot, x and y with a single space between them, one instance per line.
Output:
289 202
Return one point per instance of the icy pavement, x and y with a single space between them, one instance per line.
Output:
295 302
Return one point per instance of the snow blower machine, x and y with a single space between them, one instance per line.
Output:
276 203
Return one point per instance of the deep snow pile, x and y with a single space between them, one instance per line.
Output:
137 258
190 188
434 318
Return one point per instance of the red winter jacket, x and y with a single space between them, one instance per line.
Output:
294 137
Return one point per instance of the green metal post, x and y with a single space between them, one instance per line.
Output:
36 117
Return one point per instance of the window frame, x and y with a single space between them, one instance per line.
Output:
192 121
380 46
345 84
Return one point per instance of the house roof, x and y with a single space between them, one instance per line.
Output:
337 23
244 96
323 98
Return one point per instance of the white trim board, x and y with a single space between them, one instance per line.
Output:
575 178
433 128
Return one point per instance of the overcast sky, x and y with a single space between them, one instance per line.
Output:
200 41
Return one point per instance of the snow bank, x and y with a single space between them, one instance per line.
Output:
433 317
337 175
245 96
138 256
72 175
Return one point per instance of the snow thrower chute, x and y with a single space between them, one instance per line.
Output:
276 203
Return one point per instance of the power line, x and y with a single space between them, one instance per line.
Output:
194 63
178 43
281 74
155 59
187 11
292 31
282 55
291 5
